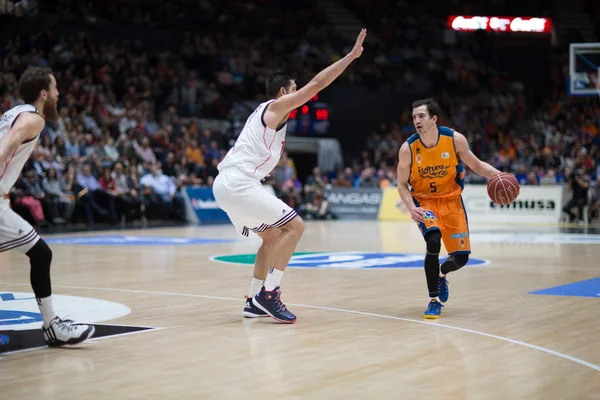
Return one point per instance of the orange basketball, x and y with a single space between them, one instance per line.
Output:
503 188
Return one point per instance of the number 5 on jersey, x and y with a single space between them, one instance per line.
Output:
432 187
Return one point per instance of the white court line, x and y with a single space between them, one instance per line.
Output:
93 339
200 296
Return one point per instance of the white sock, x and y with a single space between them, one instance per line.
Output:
255 287
273 279
442 275
45 306
435 298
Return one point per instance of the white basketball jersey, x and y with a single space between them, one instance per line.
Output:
258 149
10 169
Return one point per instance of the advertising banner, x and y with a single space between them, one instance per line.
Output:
392 208
537 204
354 203
202 202
470 23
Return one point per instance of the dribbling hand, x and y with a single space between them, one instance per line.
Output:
358 49
418 214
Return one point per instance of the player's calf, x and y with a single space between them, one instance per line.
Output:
454 262
433 240
56 331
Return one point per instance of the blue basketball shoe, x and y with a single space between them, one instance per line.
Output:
443 291
270 302
433 310
251 311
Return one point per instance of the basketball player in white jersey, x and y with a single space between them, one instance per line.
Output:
238 190
20 128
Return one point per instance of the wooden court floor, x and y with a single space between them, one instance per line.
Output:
359 334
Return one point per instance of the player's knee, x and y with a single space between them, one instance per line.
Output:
270 235
434 242
461 259
40 252
295 226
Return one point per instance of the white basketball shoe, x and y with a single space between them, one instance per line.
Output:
66 332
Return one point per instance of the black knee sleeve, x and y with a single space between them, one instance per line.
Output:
432 261
434 242
40 258
454 263
461 259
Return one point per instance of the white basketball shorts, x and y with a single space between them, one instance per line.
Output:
249 206
15 232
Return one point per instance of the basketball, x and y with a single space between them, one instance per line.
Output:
503 188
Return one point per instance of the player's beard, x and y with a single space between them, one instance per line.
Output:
50 110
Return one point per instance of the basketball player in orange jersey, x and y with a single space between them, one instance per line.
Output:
430 182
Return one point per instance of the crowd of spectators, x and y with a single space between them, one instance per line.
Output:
129 135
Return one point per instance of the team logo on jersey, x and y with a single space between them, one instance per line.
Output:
430 215
462 242
419 158
445 155
433 171
346 260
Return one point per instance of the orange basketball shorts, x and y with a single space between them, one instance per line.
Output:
448 215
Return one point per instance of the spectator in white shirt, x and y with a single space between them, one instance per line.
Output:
163 192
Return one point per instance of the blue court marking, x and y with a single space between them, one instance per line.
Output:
128 240
15 317
587 288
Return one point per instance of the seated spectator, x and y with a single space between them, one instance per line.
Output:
61 204
162 191
110 193
128 198
345 178
145 152
549 178
314 183
367 179
317 208
30 195
90 194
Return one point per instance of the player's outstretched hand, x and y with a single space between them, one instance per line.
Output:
418 214
358 49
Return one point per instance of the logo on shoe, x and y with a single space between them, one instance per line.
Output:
346 260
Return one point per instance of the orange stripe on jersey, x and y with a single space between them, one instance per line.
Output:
435 171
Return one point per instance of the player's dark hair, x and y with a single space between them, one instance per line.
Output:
32 82
433 108
275 82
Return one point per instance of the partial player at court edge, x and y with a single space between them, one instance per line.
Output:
238 190
20 128
430 182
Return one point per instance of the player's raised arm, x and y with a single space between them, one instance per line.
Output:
288 102
404 161
26 127
466 155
